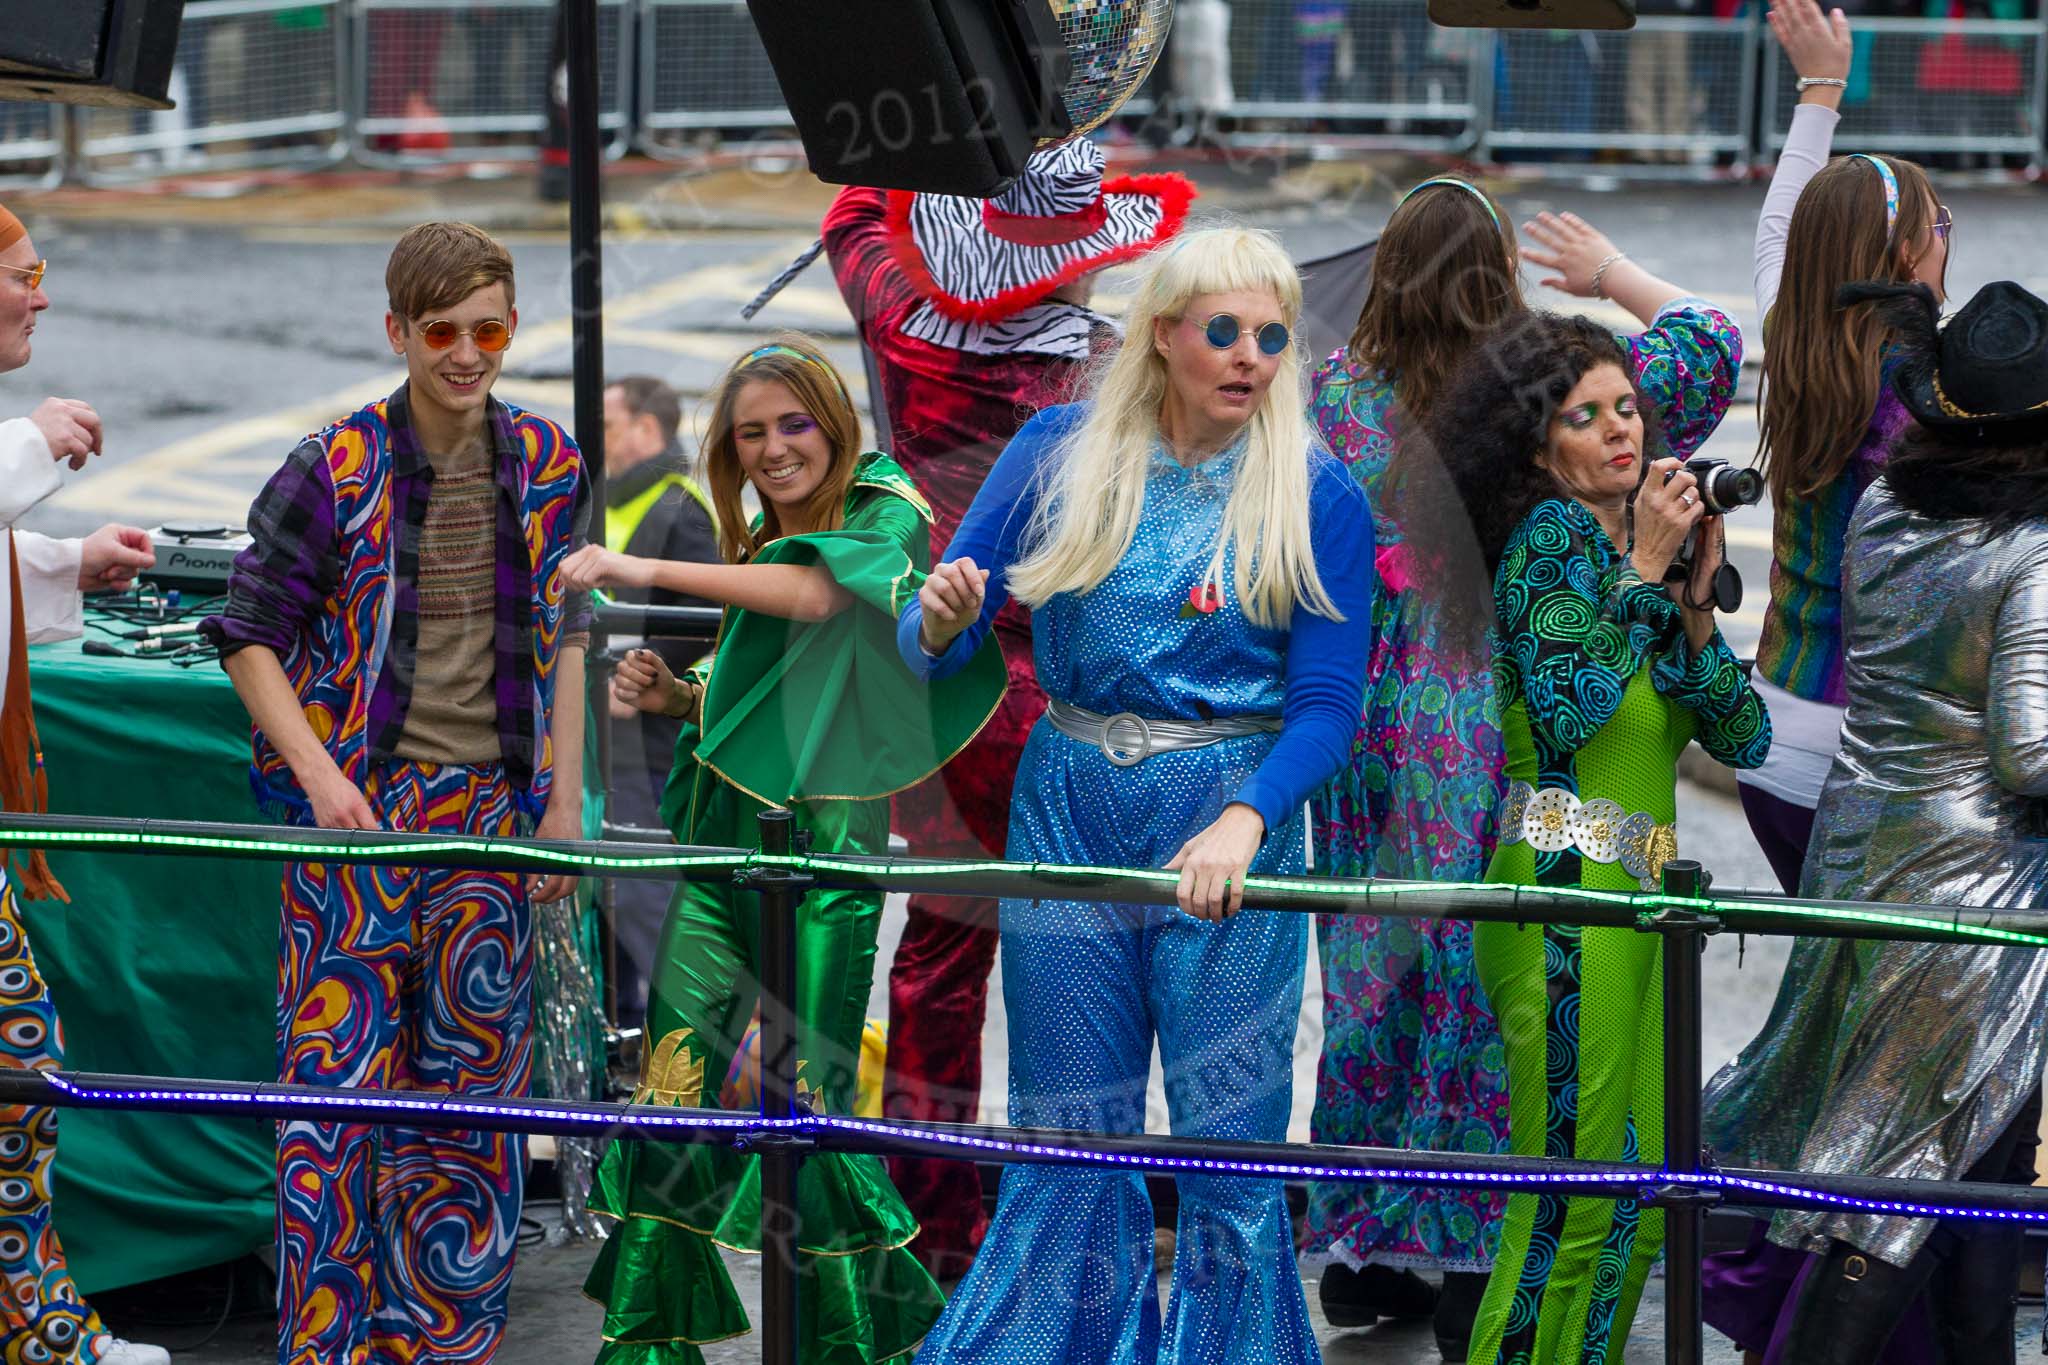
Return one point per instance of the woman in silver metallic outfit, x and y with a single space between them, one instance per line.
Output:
1928 1056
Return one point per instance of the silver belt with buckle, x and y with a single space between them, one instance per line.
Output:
1553 820
1127 739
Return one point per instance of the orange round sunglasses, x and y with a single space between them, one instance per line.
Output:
34 272
489 335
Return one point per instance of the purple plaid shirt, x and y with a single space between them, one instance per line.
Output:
285 581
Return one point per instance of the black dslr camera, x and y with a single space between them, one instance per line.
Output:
1723 488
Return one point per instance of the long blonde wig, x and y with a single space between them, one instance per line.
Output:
1094 487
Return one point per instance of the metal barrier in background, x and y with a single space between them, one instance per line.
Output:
1930 86
31 144
447 80
257 82
410 82
1371 67
1376 67
684 91
1672 89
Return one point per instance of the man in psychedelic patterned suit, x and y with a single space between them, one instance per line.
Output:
400 631
976 315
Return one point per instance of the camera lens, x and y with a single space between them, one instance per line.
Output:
1731 488
1723 487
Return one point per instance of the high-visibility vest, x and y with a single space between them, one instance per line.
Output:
621 522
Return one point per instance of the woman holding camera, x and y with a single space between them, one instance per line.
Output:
1411 1054
1605 672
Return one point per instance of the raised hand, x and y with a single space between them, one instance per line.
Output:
594 566
1817 45
1570 248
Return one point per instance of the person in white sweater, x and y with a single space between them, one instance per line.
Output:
42 1315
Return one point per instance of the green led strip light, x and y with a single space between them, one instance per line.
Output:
1543 904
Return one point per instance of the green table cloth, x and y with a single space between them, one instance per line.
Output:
162 966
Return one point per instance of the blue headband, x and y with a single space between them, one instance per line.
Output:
1891 190
1470 189
777 348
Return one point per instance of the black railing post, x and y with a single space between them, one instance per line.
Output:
578 29
781 890
1685 1204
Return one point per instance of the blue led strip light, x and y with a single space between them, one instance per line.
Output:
279 1101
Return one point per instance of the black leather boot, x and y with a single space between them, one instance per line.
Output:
1973 1298
1359 1298
1850 1305
1457 1306
1972 1295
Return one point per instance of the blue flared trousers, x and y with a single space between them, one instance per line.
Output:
1065 1276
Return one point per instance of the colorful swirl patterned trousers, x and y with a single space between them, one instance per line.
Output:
42 1317
395 1245
1581 1013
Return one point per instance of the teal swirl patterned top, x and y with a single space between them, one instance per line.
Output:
1599 691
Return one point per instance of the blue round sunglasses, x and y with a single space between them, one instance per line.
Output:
1223 331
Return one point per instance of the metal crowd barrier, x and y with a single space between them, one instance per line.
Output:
257 83
1921 86
412 82
1671 90
32 145
444 80
683 94
785 1130
1376 67
1372 66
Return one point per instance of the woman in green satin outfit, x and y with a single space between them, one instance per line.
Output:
804 706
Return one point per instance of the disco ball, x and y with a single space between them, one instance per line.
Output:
1113 44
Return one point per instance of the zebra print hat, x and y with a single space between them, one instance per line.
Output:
982 260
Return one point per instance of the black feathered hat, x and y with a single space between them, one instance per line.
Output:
1986 367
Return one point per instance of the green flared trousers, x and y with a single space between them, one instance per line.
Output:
666 1291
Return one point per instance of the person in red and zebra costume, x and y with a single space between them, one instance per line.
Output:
976 315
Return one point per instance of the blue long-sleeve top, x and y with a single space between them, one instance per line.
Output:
1126 645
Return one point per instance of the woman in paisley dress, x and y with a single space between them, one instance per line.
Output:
1603 674
1411 1054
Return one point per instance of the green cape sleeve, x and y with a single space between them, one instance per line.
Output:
826 710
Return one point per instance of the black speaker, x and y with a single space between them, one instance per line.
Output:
944 96
112 52
1598 14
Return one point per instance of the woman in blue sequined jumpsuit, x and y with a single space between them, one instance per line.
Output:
1121 522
